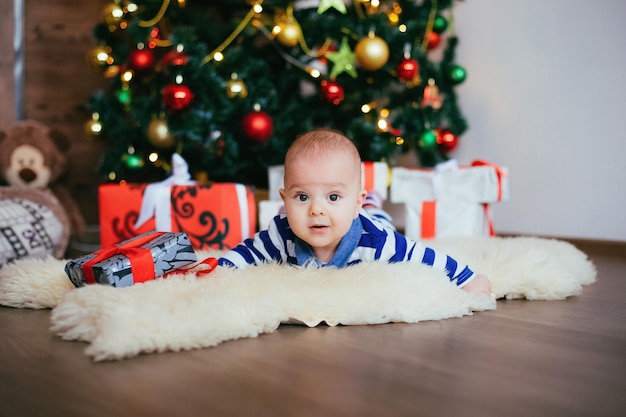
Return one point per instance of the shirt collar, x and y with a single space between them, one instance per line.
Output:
304 252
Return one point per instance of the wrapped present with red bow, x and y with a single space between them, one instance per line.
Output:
449 200
136 260
375 176
214 216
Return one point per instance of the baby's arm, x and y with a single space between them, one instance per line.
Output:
265 246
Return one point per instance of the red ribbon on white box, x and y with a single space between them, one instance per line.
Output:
429 208
500 174
375 176
449 201
429 219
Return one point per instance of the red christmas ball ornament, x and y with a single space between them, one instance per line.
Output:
332 92
446 140
434 39
141 61
407 69
174 58
258 126
176 96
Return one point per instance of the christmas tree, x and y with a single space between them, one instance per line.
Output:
229 84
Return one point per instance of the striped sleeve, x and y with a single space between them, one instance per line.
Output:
381 243
266 246
458 273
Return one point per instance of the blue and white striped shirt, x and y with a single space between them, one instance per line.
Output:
367 240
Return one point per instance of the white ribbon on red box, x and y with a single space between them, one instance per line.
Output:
157 198
449 201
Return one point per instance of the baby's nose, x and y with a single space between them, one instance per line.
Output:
317 209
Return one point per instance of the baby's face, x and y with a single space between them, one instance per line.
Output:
322 197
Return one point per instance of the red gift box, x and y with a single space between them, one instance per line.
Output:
214 216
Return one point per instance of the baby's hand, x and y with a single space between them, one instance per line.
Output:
480 285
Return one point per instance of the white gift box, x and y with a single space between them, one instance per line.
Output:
275 176
268 209
374 175
449 201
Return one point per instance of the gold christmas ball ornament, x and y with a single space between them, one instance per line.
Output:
289 33
159 134
235 87
371 53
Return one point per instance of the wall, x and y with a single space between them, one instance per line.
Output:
545 96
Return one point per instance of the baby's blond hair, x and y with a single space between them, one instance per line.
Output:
322 143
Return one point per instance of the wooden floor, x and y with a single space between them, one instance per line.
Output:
526 358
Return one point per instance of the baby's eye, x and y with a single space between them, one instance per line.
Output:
302 197
333 197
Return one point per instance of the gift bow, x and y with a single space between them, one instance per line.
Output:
206 266
156 197
141 262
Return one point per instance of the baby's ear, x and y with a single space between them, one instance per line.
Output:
281 191
362 196
360 200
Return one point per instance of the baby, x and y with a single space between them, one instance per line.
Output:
324 221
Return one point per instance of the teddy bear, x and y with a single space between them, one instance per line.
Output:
32 156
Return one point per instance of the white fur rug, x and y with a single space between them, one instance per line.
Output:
184 312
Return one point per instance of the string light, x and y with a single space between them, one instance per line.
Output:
311 71
126 76
131 8
255 9
96 127
383 125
